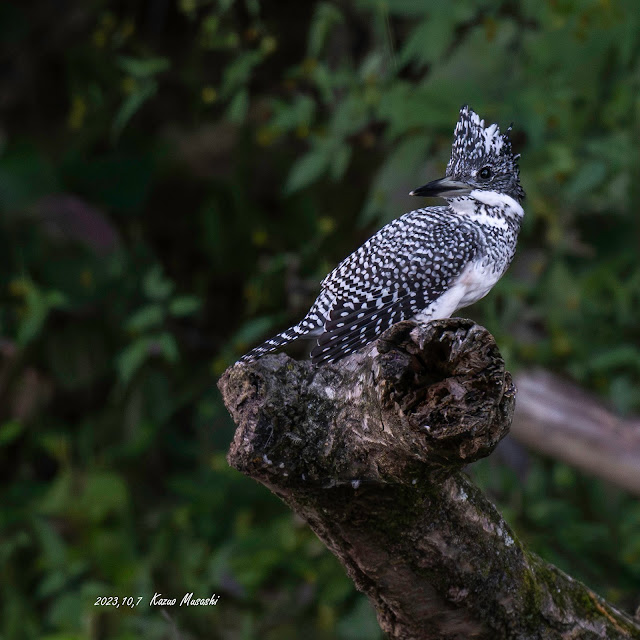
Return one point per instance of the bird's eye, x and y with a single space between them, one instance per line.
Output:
485 173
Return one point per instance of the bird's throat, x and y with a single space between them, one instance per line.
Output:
487 207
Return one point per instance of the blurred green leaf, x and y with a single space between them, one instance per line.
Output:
143 91
429 39
184 306
324 20
104 493
238 107
308 169
236 74
143 67
155 285
169 347
132 358
9 431
148 317
54 551
590 176
624 355
251 330
38 304
340 162
289 115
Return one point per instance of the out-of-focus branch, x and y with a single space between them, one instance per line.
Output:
559 419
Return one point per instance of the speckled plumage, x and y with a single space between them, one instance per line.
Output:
427 263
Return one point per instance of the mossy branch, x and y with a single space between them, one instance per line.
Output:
369 452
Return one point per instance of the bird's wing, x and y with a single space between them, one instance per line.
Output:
390 279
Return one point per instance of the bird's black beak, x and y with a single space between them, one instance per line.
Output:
443 188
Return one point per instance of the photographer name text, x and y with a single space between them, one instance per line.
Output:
158 600
187 601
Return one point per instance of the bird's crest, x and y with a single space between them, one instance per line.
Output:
475 145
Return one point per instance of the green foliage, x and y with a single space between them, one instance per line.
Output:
173 185
144 86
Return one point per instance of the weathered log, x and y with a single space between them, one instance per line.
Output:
369 452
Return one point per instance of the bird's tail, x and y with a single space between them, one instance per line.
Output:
305 328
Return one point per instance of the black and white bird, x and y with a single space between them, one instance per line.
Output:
428 263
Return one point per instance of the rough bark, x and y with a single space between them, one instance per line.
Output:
369 452
558 419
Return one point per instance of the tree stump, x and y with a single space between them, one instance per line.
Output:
370 451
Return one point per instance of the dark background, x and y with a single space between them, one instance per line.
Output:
176 178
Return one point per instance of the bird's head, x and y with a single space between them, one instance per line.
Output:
481 159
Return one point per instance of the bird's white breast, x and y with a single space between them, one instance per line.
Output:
475 282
